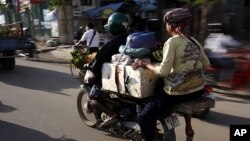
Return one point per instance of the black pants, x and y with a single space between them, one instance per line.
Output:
160 103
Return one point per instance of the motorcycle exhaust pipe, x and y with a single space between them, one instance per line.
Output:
132 125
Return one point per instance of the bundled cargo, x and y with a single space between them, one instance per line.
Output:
3 31
122 79
11 36
13 30
139 44
142 40
11 39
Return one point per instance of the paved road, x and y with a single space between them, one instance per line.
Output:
38 103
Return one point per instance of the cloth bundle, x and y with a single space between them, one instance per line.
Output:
139 44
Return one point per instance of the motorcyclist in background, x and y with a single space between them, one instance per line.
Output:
217 46
90 38
117 27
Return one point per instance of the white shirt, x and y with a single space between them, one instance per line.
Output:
87 37
218 42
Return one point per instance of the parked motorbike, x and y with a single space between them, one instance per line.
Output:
127 108
30 45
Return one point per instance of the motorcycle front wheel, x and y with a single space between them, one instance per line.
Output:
87 117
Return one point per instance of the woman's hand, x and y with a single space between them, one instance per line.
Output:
138 64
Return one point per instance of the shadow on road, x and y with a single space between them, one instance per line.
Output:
230 100
39 79
243 92
5 108
14 132
225 119
235 95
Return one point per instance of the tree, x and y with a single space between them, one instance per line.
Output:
64 13
54 3
204 4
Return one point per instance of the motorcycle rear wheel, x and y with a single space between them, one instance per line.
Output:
87 118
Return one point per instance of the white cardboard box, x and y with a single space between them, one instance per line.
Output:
117 78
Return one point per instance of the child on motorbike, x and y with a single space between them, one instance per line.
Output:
117 27
181 69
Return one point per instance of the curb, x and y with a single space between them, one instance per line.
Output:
43 54
47 49
60 61
43 50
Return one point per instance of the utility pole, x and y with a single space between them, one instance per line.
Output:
160 13
65 23
203 23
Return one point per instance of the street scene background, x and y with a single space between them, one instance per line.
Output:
38 97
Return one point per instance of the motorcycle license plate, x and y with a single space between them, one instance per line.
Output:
172 121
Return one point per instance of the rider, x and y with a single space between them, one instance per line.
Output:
92 38
218 45
117 27
181 70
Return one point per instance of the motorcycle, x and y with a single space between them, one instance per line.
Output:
128 108
240 75
30 45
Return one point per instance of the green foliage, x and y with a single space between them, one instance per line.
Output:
54 3
196 1
6 6
3 31
78 58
